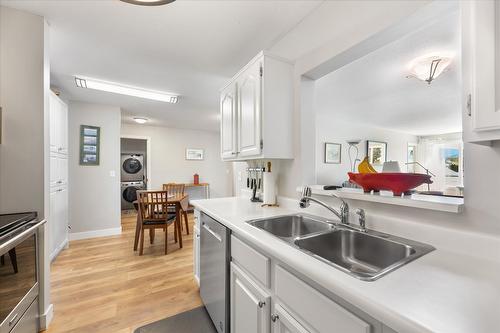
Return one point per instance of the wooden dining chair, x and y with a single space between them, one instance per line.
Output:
177 190
154 214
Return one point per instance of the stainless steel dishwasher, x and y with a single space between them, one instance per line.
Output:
214 271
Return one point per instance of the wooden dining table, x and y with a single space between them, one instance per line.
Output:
181 203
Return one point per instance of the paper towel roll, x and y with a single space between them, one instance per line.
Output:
269 195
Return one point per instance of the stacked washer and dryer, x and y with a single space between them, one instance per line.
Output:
133 178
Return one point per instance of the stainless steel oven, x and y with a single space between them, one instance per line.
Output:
19 273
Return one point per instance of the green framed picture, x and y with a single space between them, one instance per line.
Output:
90 137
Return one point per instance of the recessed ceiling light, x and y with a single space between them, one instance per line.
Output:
148 2
140 120
86 82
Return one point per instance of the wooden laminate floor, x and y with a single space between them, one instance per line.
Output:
102 285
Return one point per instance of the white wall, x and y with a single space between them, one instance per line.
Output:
94 191
481 213
328 31
168 163
328 129
24 162
22 98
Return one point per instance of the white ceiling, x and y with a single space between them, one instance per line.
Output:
374 89
188 47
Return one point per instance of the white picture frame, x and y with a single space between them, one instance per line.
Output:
195 154
333 153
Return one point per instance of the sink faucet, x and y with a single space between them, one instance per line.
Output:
343 214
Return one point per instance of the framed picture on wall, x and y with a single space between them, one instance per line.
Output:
376 152
194 154
89 145
333 153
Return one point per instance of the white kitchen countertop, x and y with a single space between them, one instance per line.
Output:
442 291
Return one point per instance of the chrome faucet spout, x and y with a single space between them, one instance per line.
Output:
342 214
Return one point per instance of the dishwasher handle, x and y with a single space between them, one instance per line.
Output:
213 233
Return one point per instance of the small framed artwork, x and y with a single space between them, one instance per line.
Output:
194 154
333 153
376 152
89 145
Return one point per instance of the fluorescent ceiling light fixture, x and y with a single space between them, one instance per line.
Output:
140 120
148 2
427 68
89 83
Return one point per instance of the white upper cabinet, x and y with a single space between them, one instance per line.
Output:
256 111
228 122
481 70
249 110
58 125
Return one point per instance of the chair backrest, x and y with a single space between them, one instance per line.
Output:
153 205
174 189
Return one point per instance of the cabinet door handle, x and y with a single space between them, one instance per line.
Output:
262 304
275 317
13 320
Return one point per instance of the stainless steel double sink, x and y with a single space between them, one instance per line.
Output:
366 255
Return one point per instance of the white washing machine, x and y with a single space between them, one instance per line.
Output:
129 193
133 168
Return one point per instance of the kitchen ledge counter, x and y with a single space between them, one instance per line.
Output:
439 292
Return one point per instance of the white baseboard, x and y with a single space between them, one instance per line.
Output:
46 318
61 247
95 233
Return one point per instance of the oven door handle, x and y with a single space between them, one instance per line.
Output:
9 244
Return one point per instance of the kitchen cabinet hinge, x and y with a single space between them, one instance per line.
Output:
261 144
261 71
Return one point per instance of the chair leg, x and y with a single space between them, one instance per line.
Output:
151 235
166 239
178 221
175 231
137 233
186 221
13 259
141 248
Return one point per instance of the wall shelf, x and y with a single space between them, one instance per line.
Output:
429 202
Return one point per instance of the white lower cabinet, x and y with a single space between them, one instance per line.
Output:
196 254
196 246
250 305
283 322
259 284
58 220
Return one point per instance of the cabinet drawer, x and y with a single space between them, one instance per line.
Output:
318 311
252 261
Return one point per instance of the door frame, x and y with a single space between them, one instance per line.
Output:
148 153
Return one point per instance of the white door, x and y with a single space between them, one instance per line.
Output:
52 220
249 111
250 305
63 128
196 255
63 170
54 170
53 115
228 122
484 59
58 226
283 322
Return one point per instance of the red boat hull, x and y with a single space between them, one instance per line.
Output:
398 183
